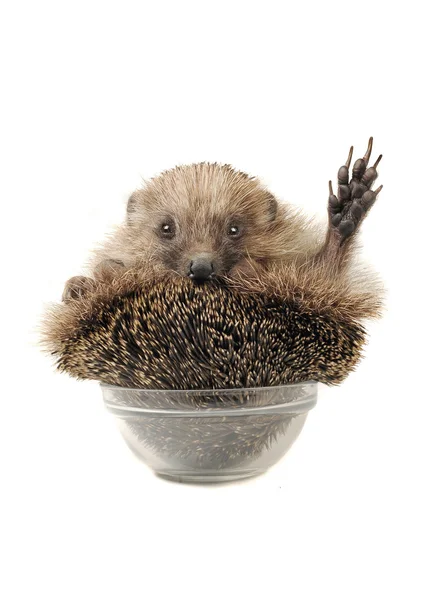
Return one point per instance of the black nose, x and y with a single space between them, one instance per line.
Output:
201 268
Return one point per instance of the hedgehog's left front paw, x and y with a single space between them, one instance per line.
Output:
355 198
77 287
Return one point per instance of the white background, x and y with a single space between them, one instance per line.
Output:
94 96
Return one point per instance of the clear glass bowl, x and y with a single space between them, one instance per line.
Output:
211 435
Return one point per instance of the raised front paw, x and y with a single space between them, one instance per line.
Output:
77 287
354 198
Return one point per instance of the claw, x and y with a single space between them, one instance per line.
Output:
348 162
377 161
367 156
378 190
334 203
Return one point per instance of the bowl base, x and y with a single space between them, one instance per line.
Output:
208 476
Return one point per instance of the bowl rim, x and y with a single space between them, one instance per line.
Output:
210 391
291 406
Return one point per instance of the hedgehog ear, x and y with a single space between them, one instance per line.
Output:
131 207
273 206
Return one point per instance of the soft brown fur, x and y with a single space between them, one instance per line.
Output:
204 200
279 252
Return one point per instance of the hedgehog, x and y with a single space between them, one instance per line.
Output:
259 310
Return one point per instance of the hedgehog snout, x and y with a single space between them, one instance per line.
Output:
201 267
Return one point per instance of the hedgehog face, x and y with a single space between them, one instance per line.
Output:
201 220
201 245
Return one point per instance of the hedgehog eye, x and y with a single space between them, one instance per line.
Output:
234 231
167 230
